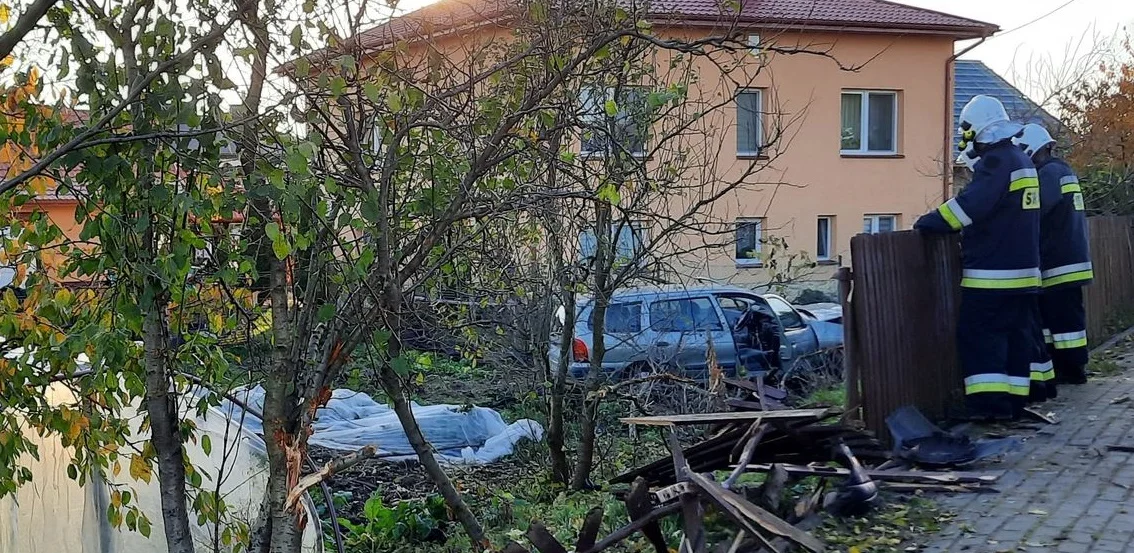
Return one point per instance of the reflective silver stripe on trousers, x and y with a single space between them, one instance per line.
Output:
1042 367
1069 179
1069 336
1020 381
1065 269
997 274
959 212
1023 173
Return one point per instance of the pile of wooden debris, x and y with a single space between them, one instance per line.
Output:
759 436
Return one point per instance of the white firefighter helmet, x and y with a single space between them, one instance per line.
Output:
968 157
984 120
1033 138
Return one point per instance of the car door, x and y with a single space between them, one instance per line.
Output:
623 328
682 328
798 336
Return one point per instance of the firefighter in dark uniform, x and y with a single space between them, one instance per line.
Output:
998 217
1065 257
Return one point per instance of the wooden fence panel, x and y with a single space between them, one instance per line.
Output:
905 297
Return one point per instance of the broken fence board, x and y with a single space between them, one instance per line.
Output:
589 532
772 523
542 539
628 530
714 492
889 475
708 418
638 507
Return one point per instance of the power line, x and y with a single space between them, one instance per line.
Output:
1014 29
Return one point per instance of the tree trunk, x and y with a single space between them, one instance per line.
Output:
165 433
392 385
556 439
604 258
281 417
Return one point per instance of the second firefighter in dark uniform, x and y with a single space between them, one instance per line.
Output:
998 216
1065 257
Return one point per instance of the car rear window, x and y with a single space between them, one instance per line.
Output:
620 318
684 315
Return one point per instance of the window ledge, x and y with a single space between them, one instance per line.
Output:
862 155
827 262
760 156
749 264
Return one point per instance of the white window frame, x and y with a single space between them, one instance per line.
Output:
874 225
749 261
864 122
586 115
637 232
829 238
759 92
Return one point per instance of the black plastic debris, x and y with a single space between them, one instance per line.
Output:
923 443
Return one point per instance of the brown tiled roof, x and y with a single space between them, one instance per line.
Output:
451 15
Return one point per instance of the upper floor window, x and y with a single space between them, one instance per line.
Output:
614 120
874 224
749 234
869 122
628 237
749 122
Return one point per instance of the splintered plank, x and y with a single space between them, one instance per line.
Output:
765 520
709 418
889 475
542 539
589 532
638 507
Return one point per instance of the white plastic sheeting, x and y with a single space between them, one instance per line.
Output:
352 420
53 513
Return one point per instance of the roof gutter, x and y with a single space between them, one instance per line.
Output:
947 162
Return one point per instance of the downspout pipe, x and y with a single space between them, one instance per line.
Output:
947 164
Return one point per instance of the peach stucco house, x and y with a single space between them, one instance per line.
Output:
869 150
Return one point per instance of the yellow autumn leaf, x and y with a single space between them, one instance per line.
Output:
140 469
854 549
5 14
7 62
117 468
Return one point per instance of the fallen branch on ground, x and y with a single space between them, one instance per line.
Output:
330 469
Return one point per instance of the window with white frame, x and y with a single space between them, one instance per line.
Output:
629 241
869 123
749 235
614 120
749 122
874 224
824 232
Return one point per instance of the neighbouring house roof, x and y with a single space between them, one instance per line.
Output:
447 16
971 77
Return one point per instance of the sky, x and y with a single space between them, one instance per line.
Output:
1059 33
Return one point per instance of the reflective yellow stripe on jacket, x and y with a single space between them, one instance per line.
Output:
1023 178
1069 184
1063 274
953 214
1008 279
